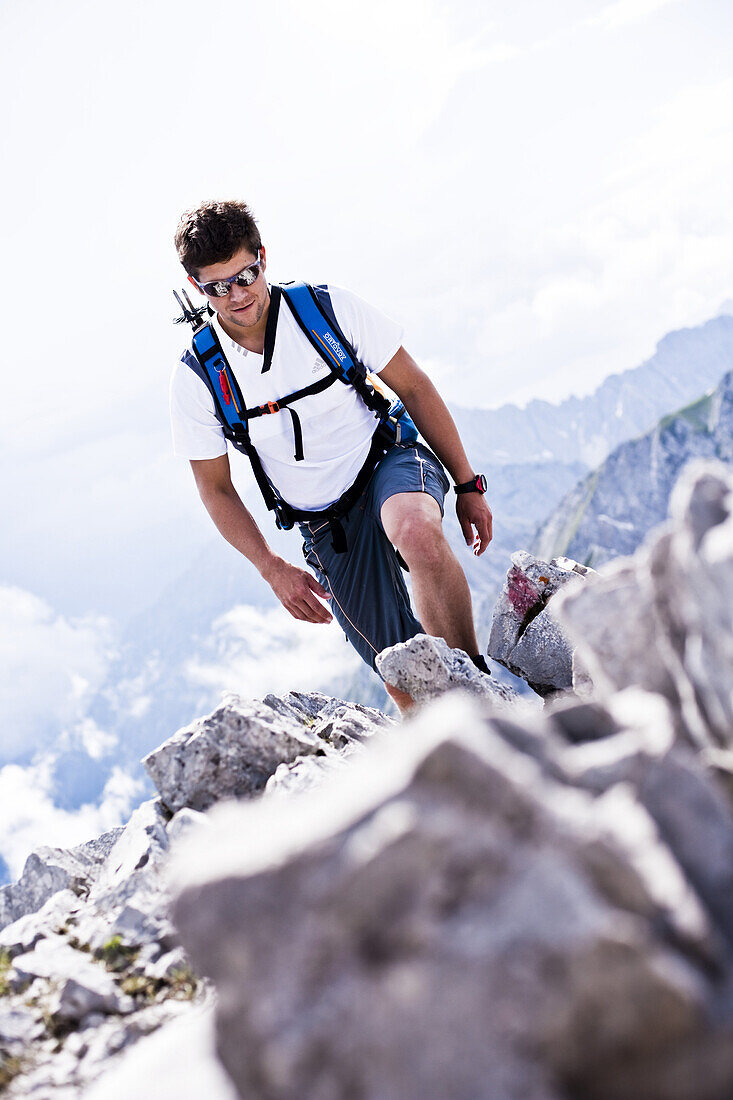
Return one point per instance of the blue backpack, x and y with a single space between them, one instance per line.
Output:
313 311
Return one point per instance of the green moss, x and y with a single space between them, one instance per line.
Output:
697 414
9 1068
116 955
5 964
183 984
141 987
180 985
78 945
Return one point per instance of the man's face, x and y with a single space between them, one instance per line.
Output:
243 306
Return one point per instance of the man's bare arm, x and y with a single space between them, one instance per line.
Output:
297 590
436 425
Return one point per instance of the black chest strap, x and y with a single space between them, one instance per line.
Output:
271 327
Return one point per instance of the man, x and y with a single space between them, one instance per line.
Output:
313 457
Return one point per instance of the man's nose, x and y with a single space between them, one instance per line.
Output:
237 293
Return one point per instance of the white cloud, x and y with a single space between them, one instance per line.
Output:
29 818
50 667
257 652
623 13
96 742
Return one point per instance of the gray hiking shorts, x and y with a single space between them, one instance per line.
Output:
369 598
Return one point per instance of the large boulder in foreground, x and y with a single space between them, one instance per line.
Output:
525 637
448 919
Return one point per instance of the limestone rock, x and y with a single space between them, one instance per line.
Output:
309 707
23 934
18 1027
182 822
349 723
83 986
157 1059
229 754
612 622
129 897
524 636
663 620
303 774
143 838
426 667
78 997
49 870
445 921
341 730
693 814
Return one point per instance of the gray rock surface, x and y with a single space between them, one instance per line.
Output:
48 870
23 934
229 754
99 966
663 620
157 1059
445 921
525 637
426 667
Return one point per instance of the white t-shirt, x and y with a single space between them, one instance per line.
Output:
337 426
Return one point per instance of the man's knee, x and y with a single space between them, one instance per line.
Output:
413 523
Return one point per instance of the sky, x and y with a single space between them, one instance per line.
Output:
537 192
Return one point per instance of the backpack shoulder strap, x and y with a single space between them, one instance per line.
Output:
271 327
207 360
313 311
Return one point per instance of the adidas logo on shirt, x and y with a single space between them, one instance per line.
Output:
320 365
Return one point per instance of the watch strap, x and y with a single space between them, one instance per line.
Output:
477 484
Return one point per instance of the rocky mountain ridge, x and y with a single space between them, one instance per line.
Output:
488 901
686 364
610 512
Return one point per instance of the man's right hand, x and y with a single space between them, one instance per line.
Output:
298 591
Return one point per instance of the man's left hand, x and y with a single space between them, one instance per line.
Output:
474 516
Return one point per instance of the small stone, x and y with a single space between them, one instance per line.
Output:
19 1025
168 964
23 934
425 667
90 992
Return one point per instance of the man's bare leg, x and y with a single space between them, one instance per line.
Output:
403 701
413 523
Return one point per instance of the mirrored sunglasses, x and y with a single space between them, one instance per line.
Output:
221 287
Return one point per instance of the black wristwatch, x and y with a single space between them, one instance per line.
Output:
477 484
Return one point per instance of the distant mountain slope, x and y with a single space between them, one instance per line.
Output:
586 429
609 513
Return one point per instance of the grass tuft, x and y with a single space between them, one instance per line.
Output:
116 955
5 964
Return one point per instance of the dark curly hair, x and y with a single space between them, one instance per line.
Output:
214 232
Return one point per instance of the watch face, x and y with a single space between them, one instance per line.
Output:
481 483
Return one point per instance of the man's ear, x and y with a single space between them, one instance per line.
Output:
263 257
193 282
